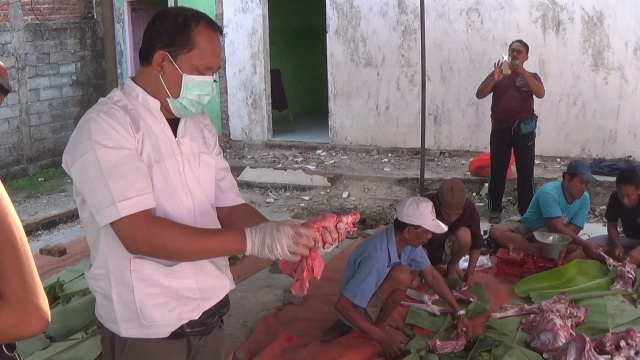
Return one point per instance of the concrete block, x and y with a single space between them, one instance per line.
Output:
71 90
6 36
37 47
68 68
10 111
50 93
10 137
284 177
38 82
62 57
37 59
60 80
48 130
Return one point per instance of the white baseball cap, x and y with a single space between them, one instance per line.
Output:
419 211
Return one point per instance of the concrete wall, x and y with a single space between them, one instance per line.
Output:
587 53
57 71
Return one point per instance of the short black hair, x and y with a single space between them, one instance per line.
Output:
526 46
170 30
628 176
401 225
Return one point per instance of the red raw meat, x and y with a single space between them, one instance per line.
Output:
549 334
580 347
447 346
620 345
312 265
625 277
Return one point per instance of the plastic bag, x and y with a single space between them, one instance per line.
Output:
484 262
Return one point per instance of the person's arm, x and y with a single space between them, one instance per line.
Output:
535 86
486 87
24 309
5 87
614 237
474 255
433 278
239 216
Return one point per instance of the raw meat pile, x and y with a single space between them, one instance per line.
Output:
625 277
456 344
551 324
312 265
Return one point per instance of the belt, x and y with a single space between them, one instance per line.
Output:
206 323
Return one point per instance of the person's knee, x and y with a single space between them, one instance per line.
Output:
462 238
497 232
400 275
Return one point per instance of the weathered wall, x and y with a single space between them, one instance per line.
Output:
57 71
247 69
587 53
374 72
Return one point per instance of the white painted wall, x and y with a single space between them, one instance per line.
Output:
247 69
586 51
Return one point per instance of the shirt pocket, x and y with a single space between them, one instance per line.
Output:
163 293
207 176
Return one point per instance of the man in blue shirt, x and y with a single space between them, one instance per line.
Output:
558 207
382 268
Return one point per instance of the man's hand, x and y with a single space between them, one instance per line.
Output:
469 279
280 240
497 71
463 328
517 67
592 250
392 342
617 252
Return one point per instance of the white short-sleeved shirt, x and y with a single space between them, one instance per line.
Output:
123 158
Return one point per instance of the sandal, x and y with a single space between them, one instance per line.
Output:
495 219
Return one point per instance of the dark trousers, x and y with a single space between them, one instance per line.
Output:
524 149
210 347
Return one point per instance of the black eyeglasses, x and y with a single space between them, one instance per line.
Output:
516 51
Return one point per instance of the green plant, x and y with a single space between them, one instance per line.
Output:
45 181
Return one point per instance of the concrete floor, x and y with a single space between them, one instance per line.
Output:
304 128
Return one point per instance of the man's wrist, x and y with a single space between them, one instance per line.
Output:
459 313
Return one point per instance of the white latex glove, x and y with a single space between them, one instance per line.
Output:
280 240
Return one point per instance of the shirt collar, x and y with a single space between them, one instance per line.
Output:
391 245
132 90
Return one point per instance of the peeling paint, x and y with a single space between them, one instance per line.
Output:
595 41
348 19
552 16
474 19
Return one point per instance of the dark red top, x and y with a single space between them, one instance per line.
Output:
511 100
468 218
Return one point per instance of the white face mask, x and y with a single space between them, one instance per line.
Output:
196 92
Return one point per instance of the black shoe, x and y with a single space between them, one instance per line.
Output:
337 330
495 218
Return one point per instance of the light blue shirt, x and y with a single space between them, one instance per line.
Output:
549 202
371 261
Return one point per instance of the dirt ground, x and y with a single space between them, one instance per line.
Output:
364 179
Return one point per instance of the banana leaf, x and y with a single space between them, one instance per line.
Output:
76 316
81 346
578 276
438 323
33 345
611 313
513 341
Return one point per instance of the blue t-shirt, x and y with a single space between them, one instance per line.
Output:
371 261
549 202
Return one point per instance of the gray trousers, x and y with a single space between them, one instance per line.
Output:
627 243
210 347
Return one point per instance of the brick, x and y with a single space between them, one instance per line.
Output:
62 57
67 68
38 82
56 250
10 111
50 93
72 90
10 137
37 59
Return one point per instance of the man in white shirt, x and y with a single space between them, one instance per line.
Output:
160 207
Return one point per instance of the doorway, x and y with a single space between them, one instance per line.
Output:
299 82
138 15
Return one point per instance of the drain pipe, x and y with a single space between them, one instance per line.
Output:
423 93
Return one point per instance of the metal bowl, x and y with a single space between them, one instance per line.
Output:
552 244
